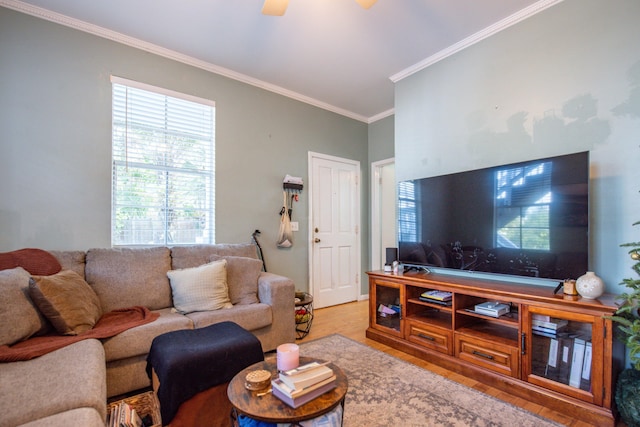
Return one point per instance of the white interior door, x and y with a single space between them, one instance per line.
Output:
384 230
334 229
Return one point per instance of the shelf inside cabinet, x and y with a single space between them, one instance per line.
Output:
391 322
492 331
436 318
510 320
429 304
428 312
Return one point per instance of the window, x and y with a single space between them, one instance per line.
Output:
163 176
407 212
523 199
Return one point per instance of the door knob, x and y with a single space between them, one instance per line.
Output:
317 240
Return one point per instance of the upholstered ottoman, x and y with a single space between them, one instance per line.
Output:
190 371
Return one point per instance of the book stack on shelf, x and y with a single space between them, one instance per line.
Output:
547 326
389 310
303 384
123 415
146 407
437 297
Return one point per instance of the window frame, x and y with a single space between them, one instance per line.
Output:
168 170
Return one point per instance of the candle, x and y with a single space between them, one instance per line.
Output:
287 357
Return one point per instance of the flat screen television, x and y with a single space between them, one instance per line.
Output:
523 219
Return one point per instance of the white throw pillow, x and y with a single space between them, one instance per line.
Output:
200 288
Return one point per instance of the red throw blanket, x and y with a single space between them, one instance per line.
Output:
109 325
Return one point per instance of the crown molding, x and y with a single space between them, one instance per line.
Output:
171 54
380 116
225 72
475 38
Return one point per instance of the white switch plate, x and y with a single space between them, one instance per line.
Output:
294 226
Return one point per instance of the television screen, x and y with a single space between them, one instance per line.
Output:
525 219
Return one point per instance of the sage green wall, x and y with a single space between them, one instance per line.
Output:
55 143
565 80
381 147
381 137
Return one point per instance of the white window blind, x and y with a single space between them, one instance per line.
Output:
163 179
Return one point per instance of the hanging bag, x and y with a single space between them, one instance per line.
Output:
285 235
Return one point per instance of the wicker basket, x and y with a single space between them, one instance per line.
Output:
144 404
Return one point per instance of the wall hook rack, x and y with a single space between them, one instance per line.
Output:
292 187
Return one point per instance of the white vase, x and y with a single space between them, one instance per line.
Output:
590 286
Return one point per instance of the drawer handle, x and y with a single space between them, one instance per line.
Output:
426 337
485 355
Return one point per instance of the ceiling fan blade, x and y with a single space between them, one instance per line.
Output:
275 7
366 4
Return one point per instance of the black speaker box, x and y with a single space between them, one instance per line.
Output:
392 255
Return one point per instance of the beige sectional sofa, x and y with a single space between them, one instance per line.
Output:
73 383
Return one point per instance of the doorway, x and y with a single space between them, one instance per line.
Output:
384 233
334 229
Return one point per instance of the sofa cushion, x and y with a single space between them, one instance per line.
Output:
195 255
242 278
250 317
35 261
71 377
71 260
125 277
85 417
137 341
19 317
67 301
200 288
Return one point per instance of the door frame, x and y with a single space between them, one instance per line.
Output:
358 214
376 226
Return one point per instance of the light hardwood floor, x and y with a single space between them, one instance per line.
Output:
352 320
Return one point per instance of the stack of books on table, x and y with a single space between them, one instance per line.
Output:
436 297
303 384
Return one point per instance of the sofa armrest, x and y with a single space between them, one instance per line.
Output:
274 289
279 292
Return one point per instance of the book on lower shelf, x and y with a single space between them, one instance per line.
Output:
577 361
585 381
551 371
437 295
389 310
296 398
123 415
447 303
145 404
552 324
564 358
547 332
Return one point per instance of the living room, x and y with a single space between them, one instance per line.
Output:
497 92
564 80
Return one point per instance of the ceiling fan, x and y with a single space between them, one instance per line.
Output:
279 7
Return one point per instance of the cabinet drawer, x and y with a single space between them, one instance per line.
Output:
430 336
490 355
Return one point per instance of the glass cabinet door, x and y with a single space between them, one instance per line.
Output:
560 354
387 305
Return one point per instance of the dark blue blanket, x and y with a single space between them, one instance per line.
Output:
188 362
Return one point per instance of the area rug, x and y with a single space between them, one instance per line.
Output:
386 391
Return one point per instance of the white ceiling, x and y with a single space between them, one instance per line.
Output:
329 53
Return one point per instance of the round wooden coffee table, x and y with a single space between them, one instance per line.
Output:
268 408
